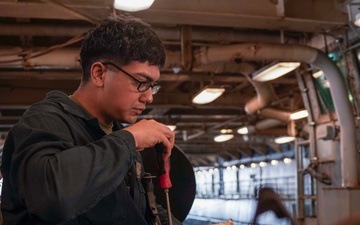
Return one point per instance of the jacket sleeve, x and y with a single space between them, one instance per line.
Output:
57 179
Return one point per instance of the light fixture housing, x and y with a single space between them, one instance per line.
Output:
287 160
283 140
223 137
262 164
132 5
299 115
243 130
274 71
208 94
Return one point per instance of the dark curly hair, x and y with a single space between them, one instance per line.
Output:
121 39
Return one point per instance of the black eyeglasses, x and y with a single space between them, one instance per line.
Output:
143 85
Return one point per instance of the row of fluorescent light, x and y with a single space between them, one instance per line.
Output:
226 134
278 140
273 162
270 72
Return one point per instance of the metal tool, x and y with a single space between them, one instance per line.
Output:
164 176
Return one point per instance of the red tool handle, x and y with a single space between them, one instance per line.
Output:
163 167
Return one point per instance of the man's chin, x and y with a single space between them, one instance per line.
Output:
131 119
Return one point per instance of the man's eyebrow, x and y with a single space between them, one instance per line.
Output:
147 77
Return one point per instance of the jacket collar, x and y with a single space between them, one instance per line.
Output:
72 107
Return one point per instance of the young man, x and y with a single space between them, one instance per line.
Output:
69 160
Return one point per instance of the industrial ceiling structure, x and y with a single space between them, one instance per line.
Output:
39 46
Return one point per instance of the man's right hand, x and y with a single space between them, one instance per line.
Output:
148 133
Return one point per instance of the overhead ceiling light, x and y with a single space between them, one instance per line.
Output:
274 162
246 130
287 160
357 19
226 131
299 114
262 164
208 94
132 5
282 140
243 130
274 71
223 137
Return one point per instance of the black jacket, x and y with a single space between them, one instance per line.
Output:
59 167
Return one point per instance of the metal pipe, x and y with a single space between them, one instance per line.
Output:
265 95
276 114
64 57
267 123
346 119
306 54
255 52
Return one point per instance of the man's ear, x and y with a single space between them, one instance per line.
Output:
97 73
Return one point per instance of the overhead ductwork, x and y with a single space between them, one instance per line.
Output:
275 114
305 54
60 57
265 95
267 123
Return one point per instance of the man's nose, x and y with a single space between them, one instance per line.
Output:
147 96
